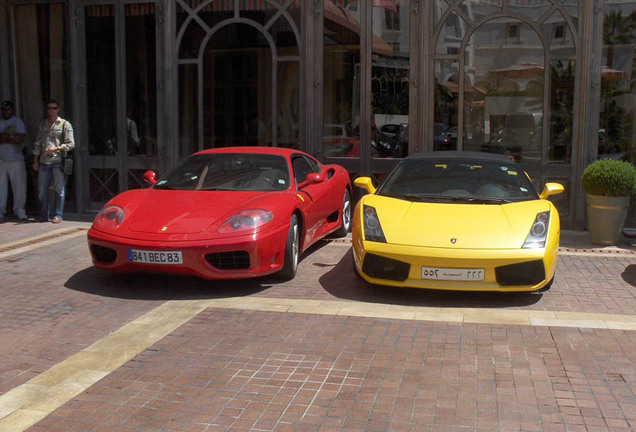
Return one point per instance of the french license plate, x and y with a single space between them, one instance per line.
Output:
453 274
154 257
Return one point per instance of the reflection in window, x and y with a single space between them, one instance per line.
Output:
513 34
534 9
390 93
451 35
141 81
288 104
446 105
389 81
100 75
392 20
233 104
341 88
562 109
236 103
617 128
188 112
511 112
556 31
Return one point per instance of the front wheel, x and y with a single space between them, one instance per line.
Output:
345 218
291 250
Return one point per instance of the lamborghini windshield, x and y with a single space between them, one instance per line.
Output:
458 180
228 172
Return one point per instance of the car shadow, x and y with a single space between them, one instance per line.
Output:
342 282
629 275
144 286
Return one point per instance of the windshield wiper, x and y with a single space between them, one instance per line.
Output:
416 197
482 200
217 189
447 198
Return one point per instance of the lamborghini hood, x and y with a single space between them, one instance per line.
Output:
461 226
186 212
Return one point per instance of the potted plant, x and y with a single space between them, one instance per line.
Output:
609 186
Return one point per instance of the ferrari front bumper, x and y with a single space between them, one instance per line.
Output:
226 258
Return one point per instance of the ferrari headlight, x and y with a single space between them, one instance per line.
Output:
538 232
246 220
372 229
111 216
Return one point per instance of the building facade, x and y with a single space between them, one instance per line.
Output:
358 83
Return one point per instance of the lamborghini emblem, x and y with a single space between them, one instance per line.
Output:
164 229
453 240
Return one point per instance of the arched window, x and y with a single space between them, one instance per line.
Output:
238 73
504 78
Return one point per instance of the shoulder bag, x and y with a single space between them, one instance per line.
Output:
67 158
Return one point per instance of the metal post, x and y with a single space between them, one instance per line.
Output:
366 113
588 89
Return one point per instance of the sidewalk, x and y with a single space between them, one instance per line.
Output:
89 350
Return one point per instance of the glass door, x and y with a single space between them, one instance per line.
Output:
140 93
121 108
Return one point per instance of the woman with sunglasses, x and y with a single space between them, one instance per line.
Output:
55 136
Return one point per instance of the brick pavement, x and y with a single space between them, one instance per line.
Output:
323 352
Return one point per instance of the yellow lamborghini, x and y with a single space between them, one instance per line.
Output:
457 221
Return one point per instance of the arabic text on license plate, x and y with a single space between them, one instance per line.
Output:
154 257
454 274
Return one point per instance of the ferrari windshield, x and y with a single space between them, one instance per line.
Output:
458 180
228 172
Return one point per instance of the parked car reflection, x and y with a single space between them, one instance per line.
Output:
444 137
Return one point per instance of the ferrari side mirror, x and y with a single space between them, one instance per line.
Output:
311 178
365 183
150 177
551 189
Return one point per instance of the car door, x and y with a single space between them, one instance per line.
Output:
318 202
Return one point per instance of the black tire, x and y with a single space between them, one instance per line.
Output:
546 288
292 249
345 217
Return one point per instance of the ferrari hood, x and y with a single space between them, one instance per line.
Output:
187 212
462 226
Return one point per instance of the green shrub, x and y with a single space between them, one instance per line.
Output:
609 177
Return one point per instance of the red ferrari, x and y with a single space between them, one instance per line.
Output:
225 213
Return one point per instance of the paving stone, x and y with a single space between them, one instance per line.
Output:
325 351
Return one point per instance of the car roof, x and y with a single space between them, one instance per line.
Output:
280 151
456 154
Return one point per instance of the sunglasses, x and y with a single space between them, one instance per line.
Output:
52 108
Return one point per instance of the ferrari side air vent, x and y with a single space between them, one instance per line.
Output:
333 217
103 254
527 273
232 260
385 268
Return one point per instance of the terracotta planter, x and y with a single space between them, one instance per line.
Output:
606 217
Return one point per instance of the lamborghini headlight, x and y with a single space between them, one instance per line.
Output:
247 220
372 229
110 216
538 232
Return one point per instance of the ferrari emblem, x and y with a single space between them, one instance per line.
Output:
453 240
164 229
